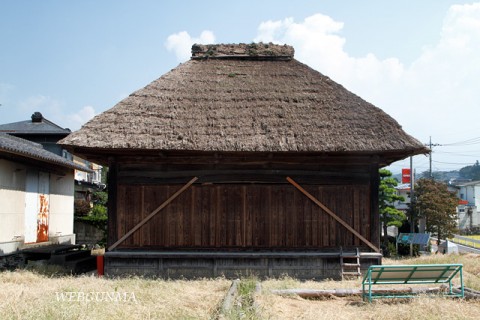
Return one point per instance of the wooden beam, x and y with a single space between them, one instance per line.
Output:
152 214
315 293
145 174
332 214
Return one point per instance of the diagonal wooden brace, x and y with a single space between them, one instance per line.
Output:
152 214
332 214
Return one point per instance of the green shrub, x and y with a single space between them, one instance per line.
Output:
100 197
404 250
392 249
99 210
98 218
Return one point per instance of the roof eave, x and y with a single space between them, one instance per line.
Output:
397 155
105 155
28 155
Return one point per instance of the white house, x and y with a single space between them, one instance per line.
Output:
468 214
36 195
404 191
45 132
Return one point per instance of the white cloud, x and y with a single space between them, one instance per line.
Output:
54 110
442 85
181 43
78 119
318 43
438 91
437 95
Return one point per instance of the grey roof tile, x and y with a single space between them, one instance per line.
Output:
40 126
27 149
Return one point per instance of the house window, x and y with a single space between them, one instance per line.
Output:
67 155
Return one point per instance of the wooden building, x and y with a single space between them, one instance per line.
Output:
242 160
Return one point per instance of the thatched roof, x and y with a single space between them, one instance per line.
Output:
255 97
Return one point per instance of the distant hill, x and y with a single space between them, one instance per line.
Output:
437 175
397 177
469 172
441 175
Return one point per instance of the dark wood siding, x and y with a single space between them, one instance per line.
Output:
243 216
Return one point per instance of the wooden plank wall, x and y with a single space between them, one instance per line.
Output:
236 216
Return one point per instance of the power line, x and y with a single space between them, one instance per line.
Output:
444 151
467 142
476 155
454 163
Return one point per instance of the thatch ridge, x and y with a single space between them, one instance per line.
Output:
245 105
252 51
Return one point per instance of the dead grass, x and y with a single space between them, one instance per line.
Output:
98 252
276 307
29 295
294 307
471 265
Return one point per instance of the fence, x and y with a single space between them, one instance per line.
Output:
474 243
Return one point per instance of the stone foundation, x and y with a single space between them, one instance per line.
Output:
190 265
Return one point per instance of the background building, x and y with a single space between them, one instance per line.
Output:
36 195
469 202
43 131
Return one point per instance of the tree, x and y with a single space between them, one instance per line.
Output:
471 172
389 216
437 205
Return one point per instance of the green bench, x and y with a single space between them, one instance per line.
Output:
410 274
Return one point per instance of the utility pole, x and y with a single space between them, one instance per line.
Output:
430 157
430 145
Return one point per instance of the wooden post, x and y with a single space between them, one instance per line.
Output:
112 234
153 213
332 214
374 214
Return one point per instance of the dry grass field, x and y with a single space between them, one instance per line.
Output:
294 307
29 295
32 295
275 307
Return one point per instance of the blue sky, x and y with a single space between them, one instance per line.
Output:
417 60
